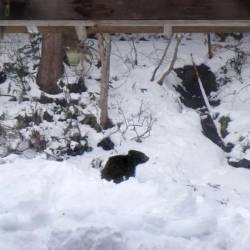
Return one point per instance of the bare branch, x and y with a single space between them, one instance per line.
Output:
178 41
162 58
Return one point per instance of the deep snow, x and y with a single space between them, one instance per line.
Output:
185 197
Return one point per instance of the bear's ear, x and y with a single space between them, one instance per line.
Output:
132 152
137 157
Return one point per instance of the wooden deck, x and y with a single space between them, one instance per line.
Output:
129 10
126 15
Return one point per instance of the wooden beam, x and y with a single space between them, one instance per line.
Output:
90 30
18 29
125 29
127 23
210 29
48 29
56 23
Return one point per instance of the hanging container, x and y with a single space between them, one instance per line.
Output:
75 56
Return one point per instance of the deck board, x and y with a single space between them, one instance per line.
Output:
130 10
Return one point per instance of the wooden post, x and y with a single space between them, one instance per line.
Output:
51 64
104 43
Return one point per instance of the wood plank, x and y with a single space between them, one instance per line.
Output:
90 30
129 29
125 29
212 29
120 23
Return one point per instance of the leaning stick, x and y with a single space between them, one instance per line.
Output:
209 108
162 58
202 88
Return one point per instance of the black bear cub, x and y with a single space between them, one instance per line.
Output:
120 167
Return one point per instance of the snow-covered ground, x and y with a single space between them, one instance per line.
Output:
185 197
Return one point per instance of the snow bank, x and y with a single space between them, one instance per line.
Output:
185 197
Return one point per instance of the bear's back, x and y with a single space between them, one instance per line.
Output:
116 168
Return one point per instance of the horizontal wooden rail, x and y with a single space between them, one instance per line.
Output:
224 23
127 26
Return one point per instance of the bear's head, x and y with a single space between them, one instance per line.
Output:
137 157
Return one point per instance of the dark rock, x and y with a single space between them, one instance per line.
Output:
14 99
106 144
72 113
26 120
122 38
77 150
15 69
58 101
190 89
210 131
45 99
37 141
214 102
224 80
189 100
143 39
228 147
47 117
244 163
120 167
3 77
81 146
192 97
224 121
91 120
78 87
144 90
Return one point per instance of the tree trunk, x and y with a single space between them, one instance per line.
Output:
51 64
104 43
210 54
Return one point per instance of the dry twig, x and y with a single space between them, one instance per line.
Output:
178 41
162 58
